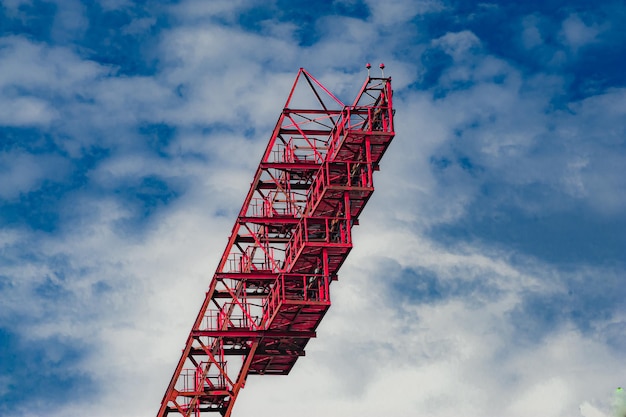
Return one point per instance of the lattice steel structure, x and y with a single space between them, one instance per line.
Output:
272 285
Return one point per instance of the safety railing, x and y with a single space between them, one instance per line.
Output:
237 315
311 287
231 315
299 149
272 303
349 173
187 381
206 376
317 230
359 120
338 133
254 259
211 376
210 320
318 187
271 206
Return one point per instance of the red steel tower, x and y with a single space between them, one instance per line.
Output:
271 288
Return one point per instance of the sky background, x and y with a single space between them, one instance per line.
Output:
488 276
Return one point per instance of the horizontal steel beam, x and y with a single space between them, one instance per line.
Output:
253 334
311 111
268 239
270 276
270 185
258 352
309 166
269 220
248 295
310 132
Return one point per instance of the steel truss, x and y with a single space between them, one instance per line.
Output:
293 233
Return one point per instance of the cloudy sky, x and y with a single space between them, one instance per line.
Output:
489 271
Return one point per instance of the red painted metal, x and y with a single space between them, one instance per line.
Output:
293 233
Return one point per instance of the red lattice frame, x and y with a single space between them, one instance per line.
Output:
271 288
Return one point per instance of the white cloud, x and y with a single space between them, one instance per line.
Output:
198 10
576 33
218 72
115 4
5 382
588 410
378 354
53 74
400 12
132 295
592 170
70 21
25 111
153 285
138 26
22 172
531 35
13 6
458 45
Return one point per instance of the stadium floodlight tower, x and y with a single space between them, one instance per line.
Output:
271 288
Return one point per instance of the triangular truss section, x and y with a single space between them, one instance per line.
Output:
272 286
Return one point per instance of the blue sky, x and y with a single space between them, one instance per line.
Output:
489 270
